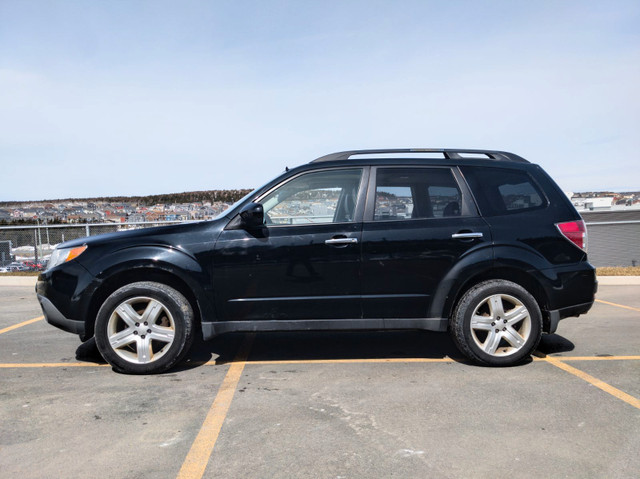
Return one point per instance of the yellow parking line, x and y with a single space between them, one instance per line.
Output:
598 358
349 361
615 392
323 361
198 457
51 365
417 360
617 305
19 325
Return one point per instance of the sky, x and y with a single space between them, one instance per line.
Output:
102 98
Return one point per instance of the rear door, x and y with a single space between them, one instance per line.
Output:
419 222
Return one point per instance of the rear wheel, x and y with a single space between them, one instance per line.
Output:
497 323
144 328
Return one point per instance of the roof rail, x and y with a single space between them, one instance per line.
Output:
448 153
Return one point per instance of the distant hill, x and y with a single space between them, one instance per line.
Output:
226 196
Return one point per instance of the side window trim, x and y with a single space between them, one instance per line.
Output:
468 207
371 194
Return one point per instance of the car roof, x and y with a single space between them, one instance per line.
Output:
423 154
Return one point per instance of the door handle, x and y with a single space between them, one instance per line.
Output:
469 235
341 241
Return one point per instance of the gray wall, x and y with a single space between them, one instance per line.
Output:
613 237
614 244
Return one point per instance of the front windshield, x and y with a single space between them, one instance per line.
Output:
234 205
239 202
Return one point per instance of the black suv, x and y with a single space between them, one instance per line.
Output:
481 243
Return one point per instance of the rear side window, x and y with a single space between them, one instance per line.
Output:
410 193
500 191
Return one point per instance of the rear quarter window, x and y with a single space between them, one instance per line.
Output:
501 191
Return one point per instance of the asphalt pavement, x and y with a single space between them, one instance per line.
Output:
324 405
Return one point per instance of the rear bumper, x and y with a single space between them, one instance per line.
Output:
54 317
569 286
557 314
570 291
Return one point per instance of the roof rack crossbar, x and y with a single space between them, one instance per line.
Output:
448 153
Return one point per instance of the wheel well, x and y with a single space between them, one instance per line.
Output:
132 276
517 276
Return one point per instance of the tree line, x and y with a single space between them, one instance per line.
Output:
225 196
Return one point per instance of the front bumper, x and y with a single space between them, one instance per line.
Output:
64 293
54 317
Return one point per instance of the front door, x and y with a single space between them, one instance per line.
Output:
305 262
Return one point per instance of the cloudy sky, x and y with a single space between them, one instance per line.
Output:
143 97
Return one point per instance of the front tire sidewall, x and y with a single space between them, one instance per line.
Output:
175 303
461 324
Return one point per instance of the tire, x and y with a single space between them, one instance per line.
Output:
496 323
144 328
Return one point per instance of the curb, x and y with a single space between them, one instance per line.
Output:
618 280
18 280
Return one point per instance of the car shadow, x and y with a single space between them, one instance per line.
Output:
554 343
352 345
88 352
327 346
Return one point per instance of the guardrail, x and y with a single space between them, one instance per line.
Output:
611 243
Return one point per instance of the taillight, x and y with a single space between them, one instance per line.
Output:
574 231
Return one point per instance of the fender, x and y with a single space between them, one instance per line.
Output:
158 257
521 257
479 263
563 285
545 274
473 263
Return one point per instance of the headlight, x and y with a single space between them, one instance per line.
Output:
62 255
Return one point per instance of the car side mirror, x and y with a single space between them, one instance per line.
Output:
252 216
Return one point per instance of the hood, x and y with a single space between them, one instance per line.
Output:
154 235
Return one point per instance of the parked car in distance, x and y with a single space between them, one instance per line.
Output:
479 243
19 266
33 266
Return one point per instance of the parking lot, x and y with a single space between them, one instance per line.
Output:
326 405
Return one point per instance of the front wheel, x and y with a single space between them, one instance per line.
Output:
497 323
144 328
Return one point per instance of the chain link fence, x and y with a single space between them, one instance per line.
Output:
611 243
29 247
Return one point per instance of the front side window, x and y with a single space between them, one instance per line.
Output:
311 198
410 193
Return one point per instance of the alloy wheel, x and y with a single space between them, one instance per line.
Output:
500 325
141 330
